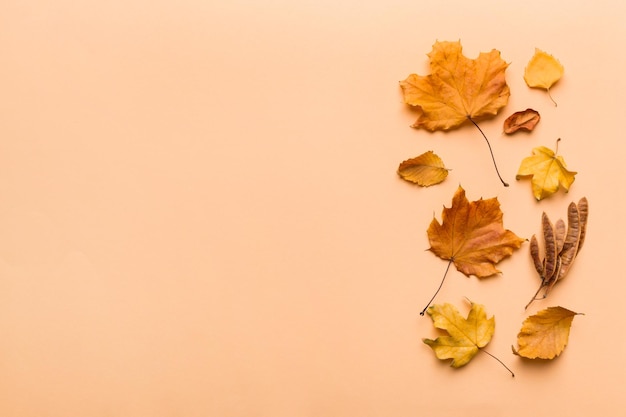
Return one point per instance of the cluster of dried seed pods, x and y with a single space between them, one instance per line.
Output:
561 246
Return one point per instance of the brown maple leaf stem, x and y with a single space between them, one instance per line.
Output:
501 363
440 285
490 150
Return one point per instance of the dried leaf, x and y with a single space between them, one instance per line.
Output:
425 170
465 336
547 171
545 334
521 120
543 71
472 235
458 88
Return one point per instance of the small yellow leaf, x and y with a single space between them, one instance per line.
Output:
545 334
465 336
547 171
543 71
425 170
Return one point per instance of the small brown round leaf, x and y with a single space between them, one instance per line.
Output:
526 120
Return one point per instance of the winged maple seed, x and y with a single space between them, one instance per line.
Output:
561 246
459 90
471 236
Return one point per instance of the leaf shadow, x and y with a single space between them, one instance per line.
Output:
536 364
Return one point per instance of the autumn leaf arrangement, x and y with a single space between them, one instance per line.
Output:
471 235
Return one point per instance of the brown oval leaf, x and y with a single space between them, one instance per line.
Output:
526 120
425 170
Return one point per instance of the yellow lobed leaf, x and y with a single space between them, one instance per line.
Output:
547 171
543 70
458 88
545 334
472 235
425 170
465 335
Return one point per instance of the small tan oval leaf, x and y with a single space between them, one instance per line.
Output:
424 170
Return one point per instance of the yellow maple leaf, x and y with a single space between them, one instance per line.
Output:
425 170
545 334
458 89
465 335
543 71
547 171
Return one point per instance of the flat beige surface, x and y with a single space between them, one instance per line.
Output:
200 213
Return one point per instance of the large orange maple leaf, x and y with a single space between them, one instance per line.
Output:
458 89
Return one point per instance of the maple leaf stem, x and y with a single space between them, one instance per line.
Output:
490 150
501 363
440 285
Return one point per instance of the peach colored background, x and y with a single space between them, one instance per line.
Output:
200 214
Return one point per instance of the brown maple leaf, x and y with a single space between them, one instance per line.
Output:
458 90
472 236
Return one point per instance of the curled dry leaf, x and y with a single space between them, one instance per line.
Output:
521 120
561 245
547 171
425 170
458 89
543 71
545 334
465 335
